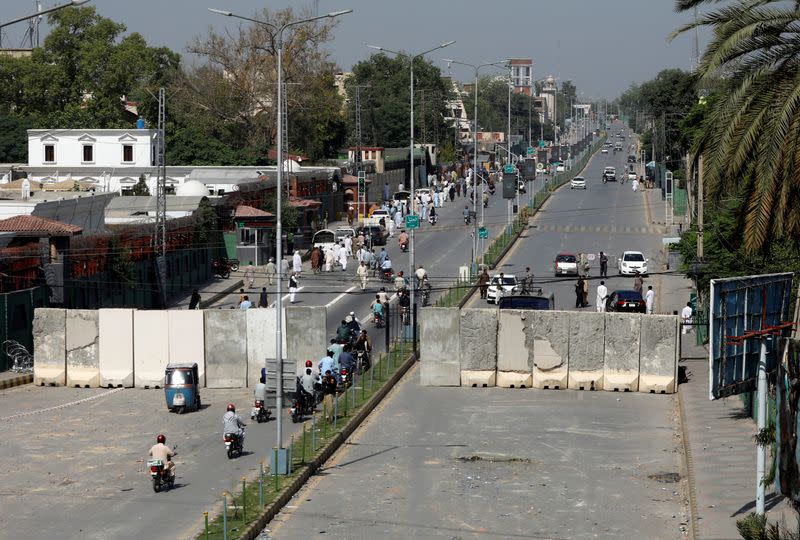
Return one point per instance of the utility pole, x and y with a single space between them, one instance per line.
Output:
362 203
160 238
700 198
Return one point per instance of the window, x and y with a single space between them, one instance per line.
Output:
527 72
49 153
127 153
88 153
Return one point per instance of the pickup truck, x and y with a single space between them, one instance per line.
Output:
375 218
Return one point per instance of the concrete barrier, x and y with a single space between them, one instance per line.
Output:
226 348
83 362
622 341
49 347
658 362
306 332
440 347
150 348
261 340
586 350
513 356
115 347
187 339
547 335
478 335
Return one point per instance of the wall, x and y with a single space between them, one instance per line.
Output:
107 146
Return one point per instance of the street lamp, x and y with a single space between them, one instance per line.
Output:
411 171
278 187
476 67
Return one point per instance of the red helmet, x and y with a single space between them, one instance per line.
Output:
231 407
308 363
161 439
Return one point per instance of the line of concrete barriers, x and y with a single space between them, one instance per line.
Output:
131 348
623 352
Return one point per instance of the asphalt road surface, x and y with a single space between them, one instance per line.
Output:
472 463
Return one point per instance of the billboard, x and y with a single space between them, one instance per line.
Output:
740 305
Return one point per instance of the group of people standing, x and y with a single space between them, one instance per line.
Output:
582 293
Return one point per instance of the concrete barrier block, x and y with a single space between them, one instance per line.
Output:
187 339
150 348
478 379
83 363
586 350
513 379
261 341
547 335
115 347
658 361
307 336
478 328
49 347
621 357
226 348
440 347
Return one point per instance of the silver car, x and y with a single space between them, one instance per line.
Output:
579 182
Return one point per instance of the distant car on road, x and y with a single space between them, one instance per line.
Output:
626 301
631 159
604 150
632 263
509 282
537 301
610 174
632 176
374 235
579 182
565 264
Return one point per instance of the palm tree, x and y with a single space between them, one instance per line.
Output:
750 140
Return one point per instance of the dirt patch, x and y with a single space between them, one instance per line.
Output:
665 477
493 458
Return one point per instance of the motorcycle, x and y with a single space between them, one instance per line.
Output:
377 318
234 444
404 247
233 264
467 220
346 378
260 413
220 268
433 219
426 296
162 479
303 405
363 361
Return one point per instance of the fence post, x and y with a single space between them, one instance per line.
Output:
414 329
303 451
224 516
314 432
244 500
387 321
290 457
261 484
205 516
275 450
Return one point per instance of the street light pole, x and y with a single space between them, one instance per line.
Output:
278 204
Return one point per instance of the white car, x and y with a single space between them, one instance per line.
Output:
375 217
509 282
604 150
343 232
560 168
632 263
632 176
565 264
579 182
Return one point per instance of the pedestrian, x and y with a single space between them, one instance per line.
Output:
297 263
328 259
348 246
585 292
398 219
250 275
390 227
350 215
363 275
635 185
328 391
649 298
452 192
686 317
386 191
194 302
602 296
263 299
270 270
483 283
316 261
579 292
436 198
638 283
458 188
284 267
242 296
292 287
343 258
245 303
603 265
584 263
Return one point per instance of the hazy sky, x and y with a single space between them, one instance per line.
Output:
601 45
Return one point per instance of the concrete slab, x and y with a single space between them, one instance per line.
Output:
513 356
83 362
478 328
226 348
658 361
150 348
478 379
260 341
440 347
622 340
307 336
586 350
49 347
513 379
187 339
547 334
115 347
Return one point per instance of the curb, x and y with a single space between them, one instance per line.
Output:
19 380
688 463
255 528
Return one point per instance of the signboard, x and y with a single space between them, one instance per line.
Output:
740 305
540 166
541 144
510 187
530 150
529 169
483 233
508 169
412 221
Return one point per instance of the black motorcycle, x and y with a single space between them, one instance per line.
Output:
234 445
363 361
221 268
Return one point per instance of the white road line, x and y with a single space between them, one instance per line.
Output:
345 293
286 296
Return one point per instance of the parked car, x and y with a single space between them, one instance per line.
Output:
375 217
626 301
631 263
401 197
344 232
579 182
324 239
560 167
565 264
375 235
509 282
538 301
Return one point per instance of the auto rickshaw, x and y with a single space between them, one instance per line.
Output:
181 387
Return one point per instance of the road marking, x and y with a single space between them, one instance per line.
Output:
345 293
62 406
285 296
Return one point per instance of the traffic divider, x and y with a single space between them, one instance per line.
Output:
49 347
81 344
150 348
514 358
658 366
226 348
115 347
547 333
441 357
622 349
187 339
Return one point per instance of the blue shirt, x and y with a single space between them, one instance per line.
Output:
325 364
336 349
347 361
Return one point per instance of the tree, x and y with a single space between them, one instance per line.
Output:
750 140
140 188
13 138
493 108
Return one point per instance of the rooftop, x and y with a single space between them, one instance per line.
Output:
38 226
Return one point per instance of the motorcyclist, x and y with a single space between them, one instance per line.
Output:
232 423
426 287
326 363
354 324
260 391
363 343
403 239
465 212
485 199
400 282
343 333
305 388
346 359
163 452
377 308
386 267
420 274
383 296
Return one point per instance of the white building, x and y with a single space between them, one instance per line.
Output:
457 116
548 94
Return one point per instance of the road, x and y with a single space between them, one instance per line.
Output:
607 217
495 463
